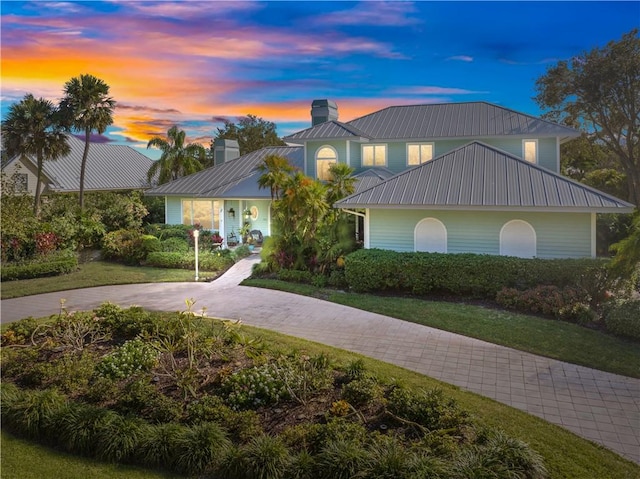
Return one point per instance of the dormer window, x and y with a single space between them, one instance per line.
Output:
325 157
530 151
374 155
418 153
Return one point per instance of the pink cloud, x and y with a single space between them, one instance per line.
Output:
373 13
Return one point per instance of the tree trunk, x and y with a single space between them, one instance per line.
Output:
36 200
85 154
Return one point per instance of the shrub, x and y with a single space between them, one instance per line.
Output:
175 245
125 323
622 318
51 265
242 251
124 245
255 387
295 276
19 332
215 261
264 457
362 392
464 274
159 444
77 428
342 459
132 357
570 304
431 409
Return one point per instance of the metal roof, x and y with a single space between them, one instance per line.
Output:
371 177
109 167
232 179
480 176
447 120
328 130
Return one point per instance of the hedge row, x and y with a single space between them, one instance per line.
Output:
50 265
471 275
623 318
206 261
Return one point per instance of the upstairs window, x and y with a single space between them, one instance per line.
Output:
21 182
374 155
325 157
419 153
530 151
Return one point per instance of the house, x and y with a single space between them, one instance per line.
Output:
458 177
109 167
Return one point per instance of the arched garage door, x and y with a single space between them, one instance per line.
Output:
518 238
430 236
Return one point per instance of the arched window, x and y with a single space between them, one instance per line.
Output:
430 236
518 238
325 157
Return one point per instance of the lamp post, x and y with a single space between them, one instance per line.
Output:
196 234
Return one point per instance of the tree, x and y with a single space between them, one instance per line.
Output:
274 171
86 107
31 128
251 133
600 92
626 262
177 159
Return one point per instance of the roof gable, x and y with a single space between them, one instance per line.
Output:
232 179
478 176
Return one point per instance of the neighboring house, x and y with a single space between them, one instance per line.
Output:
459 177
109 167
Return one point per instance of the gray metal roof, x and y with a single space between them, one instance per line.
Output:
448 120
371 177
236 178
109 167
480 176
328 130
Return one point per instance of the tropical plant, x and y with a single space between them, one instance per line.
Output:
274 171
31 128
86 107
177 159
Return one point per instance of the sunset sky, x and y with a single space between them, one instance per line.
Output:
194 63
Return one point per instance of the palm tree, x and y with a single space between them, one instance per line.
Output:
86 107
177 159
31 128
275 171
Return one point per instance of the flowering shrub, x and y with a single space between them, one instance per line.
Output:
132 357
570 304
255 387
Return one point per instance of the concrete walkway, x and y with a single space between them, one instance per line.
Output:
599 406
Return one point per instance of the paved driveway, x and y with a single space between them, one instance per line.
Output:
598 406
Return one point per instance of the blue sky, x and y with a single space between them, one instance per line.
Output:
194 63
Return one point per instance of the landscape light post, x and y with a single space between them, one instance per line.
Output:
196 234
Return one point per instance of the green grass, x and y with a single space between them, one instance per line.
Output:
98 273
554 339
21 459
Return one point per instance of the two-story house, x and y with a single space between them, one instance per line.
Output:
458 177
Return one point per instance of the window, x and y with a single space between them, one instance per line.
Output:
518 238
21 182
203 212
325 157
419 153
374 155
530 151
430 236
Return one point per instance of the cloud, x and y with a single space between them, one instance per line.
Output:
373 13
461 58
188 10
434 90
122 106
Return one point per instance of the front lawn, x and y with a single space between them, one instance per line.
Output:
545 337
99 273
